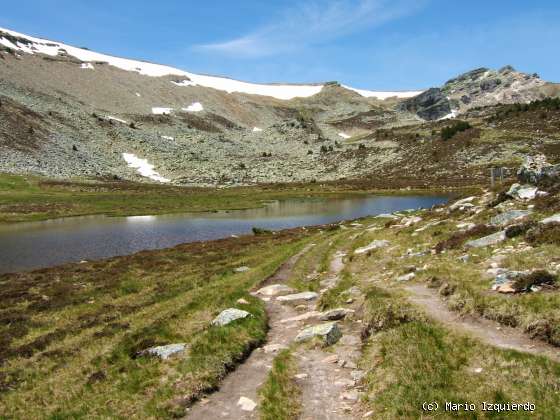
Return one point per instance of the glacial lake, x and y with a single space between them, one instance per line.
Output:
27 246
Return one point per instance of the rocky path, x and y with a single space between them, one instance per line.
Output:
329 375
489 332
237 396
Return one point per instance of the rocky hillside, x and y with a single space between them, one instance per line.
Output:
68 112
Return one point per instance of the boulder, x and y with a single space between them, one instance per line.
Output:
406 277
507 217
335 314
506 282
298 297
374 245
429 105
275 290
246 404
487 240
164 352
461 203
522 192
229 315
329 333
536 169
555 218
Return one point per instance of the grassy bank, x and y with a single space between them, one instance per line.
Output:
32 198
71 335
411 361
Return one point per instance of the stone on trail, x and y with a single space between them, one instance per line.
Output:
374 245
241 269
335 314
246 404
487 240
303 317
507 217
555 218
273 348
164 352
350 396
298 297
275 290
329 333
229 315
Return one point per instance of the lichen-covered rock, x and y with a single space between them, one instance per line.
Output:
487 240
164 352
522 192
536 169
229 315
329 333
507 217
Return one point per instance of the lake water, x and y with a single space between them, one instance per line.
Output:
26 246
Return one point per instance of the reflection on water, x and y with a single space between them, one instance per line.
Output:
32 245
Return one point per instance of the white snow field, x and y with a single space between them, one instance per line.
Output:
344 135
143 167
279 91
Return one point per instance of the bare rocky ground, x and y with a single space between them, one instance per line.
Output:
61 121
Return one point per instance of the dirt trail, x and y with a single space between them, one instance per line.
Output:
329 386
487 331
249 376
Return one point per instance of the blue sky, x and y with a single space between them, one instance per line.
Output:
373 44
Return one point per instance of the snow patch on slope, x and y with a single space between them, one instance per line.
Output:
384 94
279 91
257 130
344 135
157 110
195 107
143 167
87 66
452 114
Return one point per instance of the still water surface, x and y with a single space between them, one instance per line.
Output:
26 246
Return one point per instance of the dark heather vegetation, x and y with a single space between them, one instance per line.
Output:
449 132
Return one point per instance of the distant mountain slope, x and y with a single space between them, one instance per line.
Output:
68 112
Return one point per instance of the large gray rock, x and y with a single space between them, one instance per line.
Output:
508 217
374 245
329 333
164 352
487 240
298 297
522 192
275 290
536 169
429 105
555 218
229 315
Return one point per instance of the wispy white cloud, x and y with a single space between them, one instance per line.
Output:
313 23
